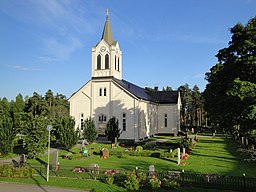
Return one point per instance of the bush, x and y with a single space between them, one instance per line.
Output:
170 184
7 170
132 182
155 183
109 180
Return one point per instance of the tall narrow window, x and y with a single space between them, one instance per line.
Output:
100 92
82 121
115 62
165 120
105 91
106 61
118 64
102 118
124 122
98 62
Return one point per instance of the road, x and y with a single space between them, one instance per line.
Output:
14 187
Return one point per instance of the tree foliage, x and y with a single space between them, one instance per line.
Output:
89 132
6 135
112 131
230 92
66 134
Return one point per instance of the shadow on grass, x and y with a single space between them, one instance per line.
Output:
38 184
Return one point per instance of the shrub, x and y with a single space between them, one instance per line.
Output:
109 180
139 148
132 182
155 183
170 184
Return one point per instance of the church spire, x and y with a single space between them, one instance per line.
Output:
107 32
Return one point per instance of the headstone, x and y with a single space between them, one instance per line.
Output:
94 168
170 150
192 131
178 160
246 142
105 153
213 134
252 147
22 160
151 171
55 160
184 151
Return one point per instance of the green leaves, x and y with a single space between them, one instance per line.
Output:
112 130
90 132
230 92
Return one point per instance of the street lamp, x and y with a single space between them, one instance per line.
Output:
49 128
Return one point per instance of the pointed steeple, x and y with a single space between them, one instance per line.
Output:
107 32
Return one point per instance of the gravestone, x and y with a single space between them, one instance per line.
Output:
246 142
22 160
55 160
94 168
105 153
151 171
178 158
184 151
242 140
192 131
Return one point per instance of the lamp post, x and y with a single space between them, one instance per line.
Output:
49 128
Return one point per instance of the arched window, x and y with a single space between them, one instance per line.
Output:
124 121
98 62
106 61
102 118
105 91
100 92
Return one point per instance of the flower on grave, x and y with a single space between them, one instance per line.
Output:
184 157
183 163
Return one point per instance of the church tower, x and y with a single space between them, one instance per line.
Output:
107 55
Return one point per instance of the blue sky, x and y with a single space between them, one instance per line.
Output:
46 44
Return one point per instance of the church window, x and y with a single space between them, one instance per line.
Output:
124 122
118 64
100 92
106 61
115 62
105 91
102 118
98 62
82 121
165 120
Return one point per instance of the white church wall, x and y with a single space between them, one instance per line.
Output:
123 103
171 111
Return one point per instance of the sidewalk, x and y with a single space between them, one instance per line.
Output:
11 187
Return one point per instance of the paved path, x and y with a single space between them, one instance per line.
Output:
14 187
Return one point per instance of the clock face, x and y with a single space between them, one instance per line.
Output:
103 48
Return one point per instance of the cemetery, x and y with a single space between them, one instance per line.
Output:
202 160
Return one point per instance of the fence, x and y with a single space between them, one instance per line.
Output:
212 181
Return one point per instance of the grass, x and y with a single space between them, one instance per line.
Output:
211 155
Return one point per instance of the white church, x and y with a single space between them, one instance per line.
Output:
141 113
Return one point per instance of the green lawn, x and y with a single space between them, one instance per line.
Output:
211 155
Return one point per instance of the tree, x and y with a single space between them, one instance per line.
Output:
232 77
6 135
112 131
90 132
36 137
65 132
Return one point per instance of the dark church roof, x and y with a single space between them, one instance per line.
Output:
162 97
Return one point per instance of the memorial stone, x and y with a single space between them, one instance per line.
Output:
55 160
178 157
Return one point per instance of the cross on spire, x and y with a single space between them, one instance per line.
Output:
107 12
